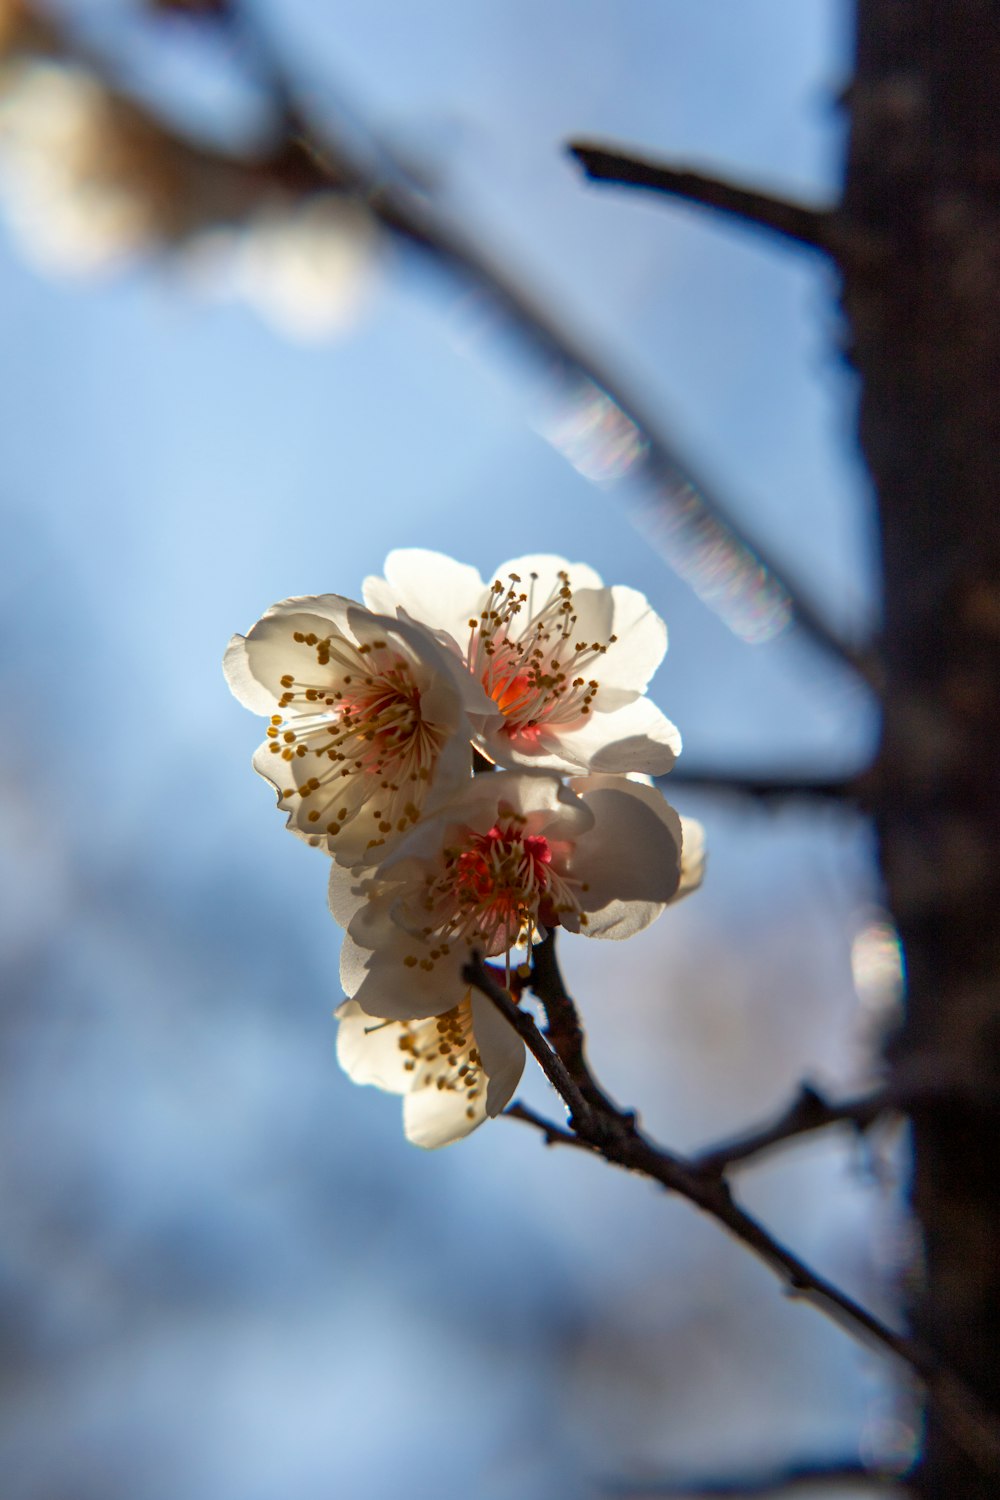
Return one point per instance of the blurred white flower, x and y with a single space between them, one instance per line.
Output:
565 659
367 720
308 266
88 180
512 855
454 1070
91 181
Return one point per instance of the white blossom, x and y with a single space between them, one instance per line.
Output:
454 1070
368 720
512 855
565 659
88 180
91 181
308 268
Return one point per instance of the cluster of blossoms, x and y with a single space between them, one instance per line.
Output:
91 181
377 714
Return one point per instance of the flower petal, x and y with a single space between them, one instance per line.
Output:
502 1051
635 737
692 857
641 640
631 861
438 1117
431 587
404 991
547 566
437 1064
368 1049
270 649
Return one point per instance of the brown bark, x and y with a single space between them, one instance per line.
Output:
923 189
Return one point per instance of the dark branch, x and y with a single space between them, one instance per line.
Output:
795 221
808 1112
354 160
916 1084
406 210
563 1029
614 1135
783 1481
476 973
554 1135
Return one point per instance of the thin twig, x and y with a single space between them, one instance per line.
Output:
917 1083
476 973
808 1112
563 1029
553 1135
782 1481
614 1135
804 223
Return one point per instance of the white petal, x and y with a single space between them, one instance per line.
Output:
405 992
353 965
542 798
445 1092
347 893
436 590
636 737
243 684
438 1117
631 860
361 838
502 1051
446 684
271 649
593 610
368 1049
642 640
548 567
692 857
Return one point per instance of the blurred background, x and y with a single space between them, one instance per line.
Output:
225 1275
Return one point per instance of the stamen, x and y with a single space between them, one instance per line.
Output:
520 663
442 1052
495 891
363 727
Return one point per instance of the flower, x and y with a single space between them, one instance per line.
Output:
89 179
308 267
368 723
512 855
565 659
453 1070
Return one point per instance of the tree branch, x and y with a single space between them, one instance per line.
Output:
554 1135
784 1481
916 1083
808 1112
688 523
795 221
614 1135
695 521
476 973
563 1028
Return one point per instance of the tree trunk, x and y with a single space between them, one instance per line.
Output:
921 271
